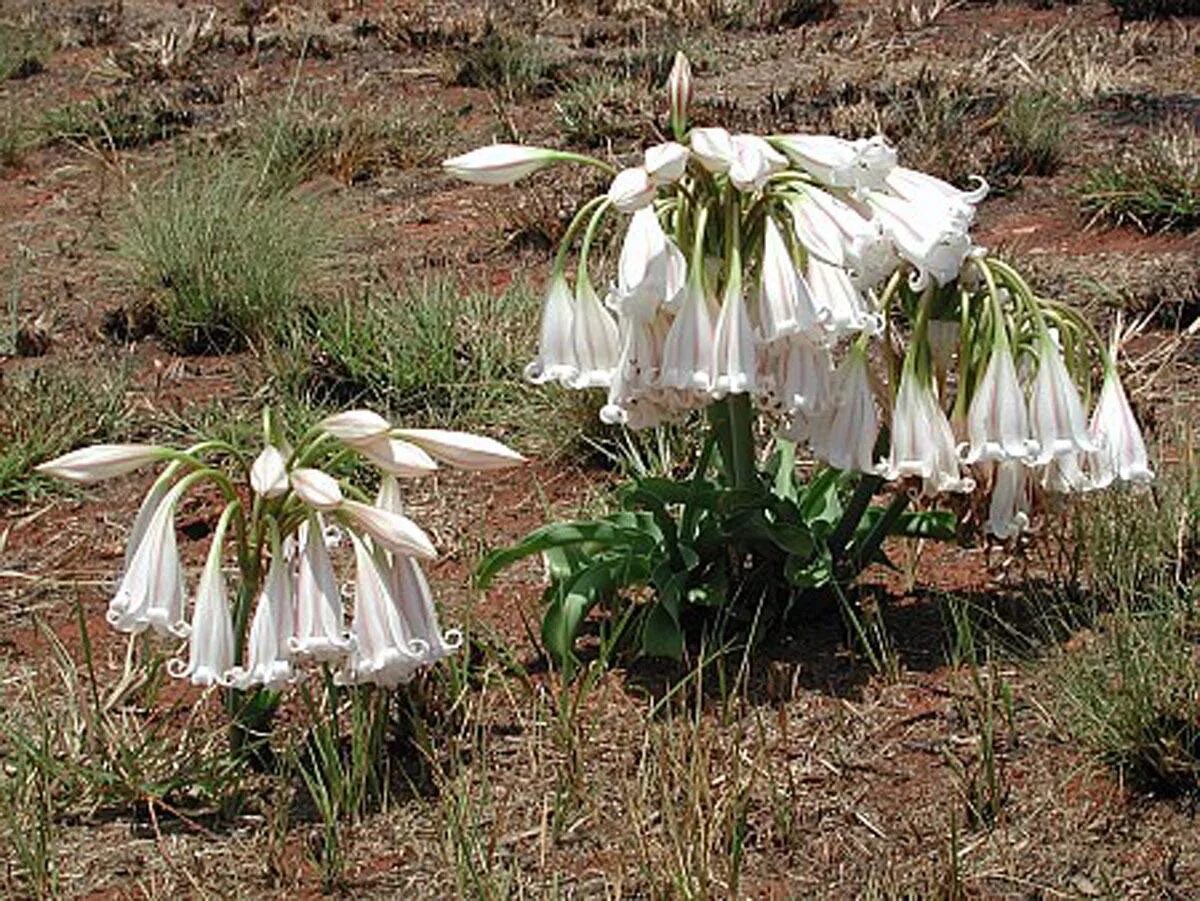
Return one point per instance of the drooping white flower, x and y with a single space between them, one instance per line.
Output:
320 632
393 531
384 653
268 474
632 395
754 161
409 589
926 190
934 243
997 420
688 354
463 449
317 489
1056 410
1008 513
555 361
801 372
1120 449
834 161
101 461
210 640
785 306
713 147
651 270
844 437
400 458
922 441
267 662
594 338
499 164
631 189
735 363
351 426
151 592
665 163
837 233
840 308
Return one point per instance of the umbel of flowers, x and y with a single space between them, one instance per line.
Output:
765 268
817 284
282 514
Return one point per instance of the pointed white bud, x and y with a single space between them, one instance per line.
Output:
499 164
317 489
665 163
393 531
679 92
463 449
101 461
354 425
268 474
713 147
631 190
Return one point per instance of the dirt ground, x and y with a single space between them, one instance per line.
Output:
836 779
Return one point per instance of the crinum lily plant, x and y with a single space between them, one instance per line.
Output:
816 300
283 513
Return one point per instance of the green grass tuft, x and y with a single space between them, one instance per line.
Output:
35 429
508 64
1035 133
1154 186
23 51
227 258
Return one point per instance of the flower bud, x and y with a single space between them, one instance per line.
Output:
353 426
665 163
100 461
268 475
317 489
679 90
499 164
631 190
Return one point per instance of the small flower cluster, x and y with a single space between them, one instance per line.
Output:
296 513
768 266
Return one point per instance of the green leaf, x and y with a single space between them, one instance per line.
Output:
795 539
661 635
804 572
639 534
941 525
574 598
820 502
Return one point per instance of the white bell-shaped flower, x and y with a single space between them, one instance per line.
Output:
651 270
1008 512
935 243
922 440
594 337
997 419
1056 412
840 307
688 351
926 190
635 380
845 435
320 632
1120 449
555 361
834 161
210 640
735 363
785 304
151 592
384 652
267 662
801 376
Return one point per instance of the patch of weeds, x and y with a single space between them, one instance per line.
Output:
23 51
226 257
597 110
1132 694
353 146
1035 130
121 121
47 411
537 217
1129 10
508 64
14 138
1155 186
731 15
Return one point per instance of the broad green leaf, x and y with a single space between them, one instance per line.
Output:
820 501
632 534
661 635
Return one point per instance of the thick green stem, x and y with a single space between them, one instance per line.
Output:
864 492
865 551
741 428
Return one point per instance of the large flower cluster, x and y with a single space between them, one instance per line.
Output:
289 609
772 266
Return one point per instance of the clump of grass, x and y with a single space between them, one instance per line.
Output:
23 51
120 121
1154 186
353 146
1034 124
1131 693
597 110
509 64
227 256
48 411
1128 10
428 350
